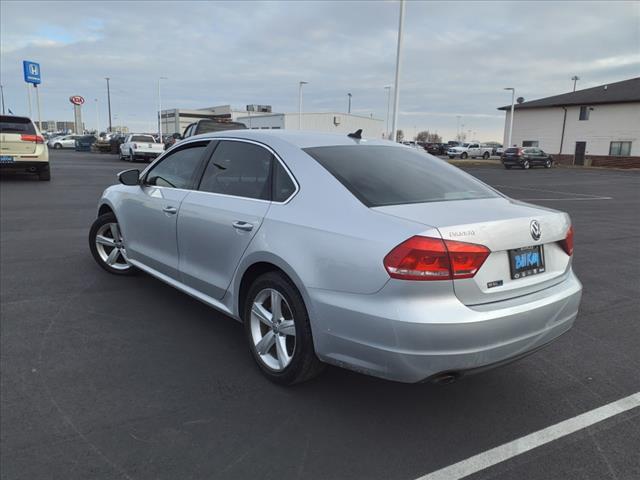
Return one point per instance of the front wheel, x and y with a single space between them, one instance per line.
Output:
508 167
526 165
277 328
485 155
548 164
464 155
57 146
107 245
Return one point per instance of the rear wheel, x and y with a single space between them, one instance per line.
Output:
464 155
44 174
57 146
107 245
526 165
485 155
277 327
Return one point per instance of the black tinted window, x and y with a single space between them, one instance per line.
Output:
386 175
177 169
240 169
283 186
16 125
143 139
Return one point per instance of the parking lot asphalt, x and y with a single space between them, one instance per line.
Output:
111 377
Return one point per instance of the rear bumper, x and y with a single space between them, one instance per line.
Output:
403 335
23 166
146 155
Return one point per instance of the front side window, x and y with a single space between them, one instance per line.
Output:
240 169
622 149
387 175
177 169
584 113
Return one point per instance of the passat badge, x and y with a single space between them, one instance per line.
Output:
536 231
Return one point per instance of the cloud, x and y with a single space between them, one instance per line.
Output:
457 56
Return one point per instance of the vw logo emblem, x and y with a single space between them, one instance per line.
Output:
535 229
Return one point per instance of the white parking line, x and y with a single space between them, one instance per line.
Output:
521 445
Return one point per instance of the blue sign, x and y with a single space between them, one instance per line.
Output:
31 72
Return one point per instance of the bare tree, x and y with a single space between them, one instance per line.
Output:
428 137
399 136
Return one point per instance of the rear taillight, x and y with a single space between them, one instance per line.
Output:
520 152
426 258
31 138
567 243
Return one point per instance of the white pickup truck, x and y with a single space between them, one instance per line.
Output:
472 150
139 146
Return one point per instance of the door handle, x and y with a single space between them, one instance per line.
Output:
246 226
170 210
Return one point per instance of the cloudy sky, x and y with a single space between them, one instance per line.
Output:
458 56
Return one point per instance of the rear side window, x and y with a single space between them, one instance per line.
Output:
16 125
240 169
177 169
386 175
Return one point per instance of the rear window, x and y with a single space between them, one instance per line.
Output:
511 150
143 139
206 127
385 175
16 125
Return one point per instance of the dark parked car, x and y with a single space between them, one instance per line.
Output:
526 158
207 126
84 143
437 148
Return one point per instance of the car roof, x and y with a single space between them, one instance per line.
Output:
299 138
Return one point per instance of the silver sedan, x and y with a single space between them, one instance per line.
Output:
332 249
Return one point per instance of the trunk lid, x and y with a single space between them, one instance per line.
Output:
501 225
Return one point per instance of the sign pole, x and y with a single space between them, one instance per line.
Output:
29 98
38 103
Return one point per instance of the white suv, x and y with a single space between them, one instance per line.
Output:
22 147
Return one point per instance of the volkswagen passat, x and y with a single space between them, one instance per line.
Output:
359 253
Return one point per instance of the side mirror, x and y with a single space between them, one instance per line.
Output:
177 136
129 177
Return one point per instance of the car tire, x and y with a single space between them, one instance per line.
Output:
485 155
526 165
548 164
57 146
103 245
44 175
508 167
284 358
464 155
451 157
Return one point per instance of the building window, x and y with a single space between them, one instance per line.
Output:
530 143
584 113
620 149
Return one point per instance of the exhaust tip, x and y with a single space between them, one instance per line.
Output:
445 378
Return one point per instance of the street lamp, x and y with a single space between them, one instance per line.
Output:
575 79
160 110
97 120
386 129
513 99
109 102
300 84
349 110
458 117
396 90
2 95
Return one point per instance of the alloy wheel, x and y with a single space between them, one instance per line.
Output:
110 246
273 329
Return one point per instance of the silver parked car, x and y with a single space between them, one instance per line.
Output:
359 253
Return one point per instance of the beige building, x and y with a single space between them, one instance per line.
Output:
330 122
597 126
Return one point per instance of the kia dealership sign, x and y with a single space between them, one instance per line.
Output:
76 99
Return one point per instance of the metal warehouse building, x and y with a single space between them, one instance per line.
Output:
598 126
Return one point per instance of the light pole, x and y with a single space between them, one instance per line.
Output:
575 79
396 89
386 128
349 110
109 102
300 84
2 95
97 117
160 110
513 99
